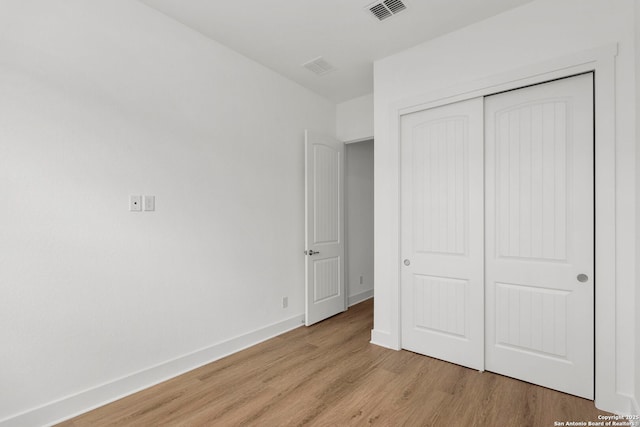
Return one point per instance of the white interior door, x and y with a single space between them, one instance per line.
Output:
540 234
324 222
442 233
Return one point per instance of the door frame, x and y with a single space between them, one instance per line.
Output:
600 61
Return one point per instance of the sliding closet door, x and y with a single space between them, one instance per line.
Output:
540 234
442 233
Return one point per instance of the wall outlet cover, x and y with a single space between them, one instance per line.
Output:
135 203
149 203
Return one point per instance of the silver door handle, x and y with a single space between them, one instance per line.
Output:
582 277
311 252
407 262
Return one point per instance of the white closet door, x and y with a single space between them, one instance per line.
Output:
540 234
442 233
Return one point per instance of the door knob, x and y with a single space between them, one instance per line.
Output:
407 262
311 252
582 278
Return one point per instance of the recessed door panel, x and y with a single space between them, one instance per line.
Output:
327 194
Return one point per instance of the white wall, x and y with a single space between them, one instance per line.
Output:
359 193
100 100
534 33
637 311
354 119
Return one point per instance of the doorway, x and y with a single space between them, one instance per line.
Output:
359 221
338 225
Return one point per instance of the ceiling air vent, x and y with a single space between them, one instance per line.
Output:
386 9
319 66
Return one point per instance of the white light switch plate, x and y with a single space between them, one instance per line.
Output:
135 203
149 203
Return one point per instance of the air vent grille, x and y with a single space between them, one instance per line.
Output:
395 6
386 9
319 66
380 11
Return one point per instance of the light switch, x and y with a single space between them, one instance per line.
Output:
149 203
135 203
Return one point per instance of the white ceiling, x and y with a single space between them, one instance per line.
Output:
283 35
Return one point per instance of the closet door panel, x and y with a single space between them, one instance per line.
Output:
540 234
442 233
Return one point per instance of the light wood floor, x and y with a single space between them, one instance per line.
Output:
329 375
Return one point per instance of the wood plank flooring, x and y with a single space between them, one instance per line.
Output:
329 375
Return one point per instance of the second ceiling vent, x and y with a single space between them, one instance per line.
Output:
386 9
320 66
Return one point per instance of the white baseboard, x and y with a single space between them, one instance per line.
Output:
383 339
635 405
620 404
71 406
635 410
362 296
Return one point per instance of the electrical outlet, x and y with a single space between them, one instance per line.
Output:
285 302
135 203
149 203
